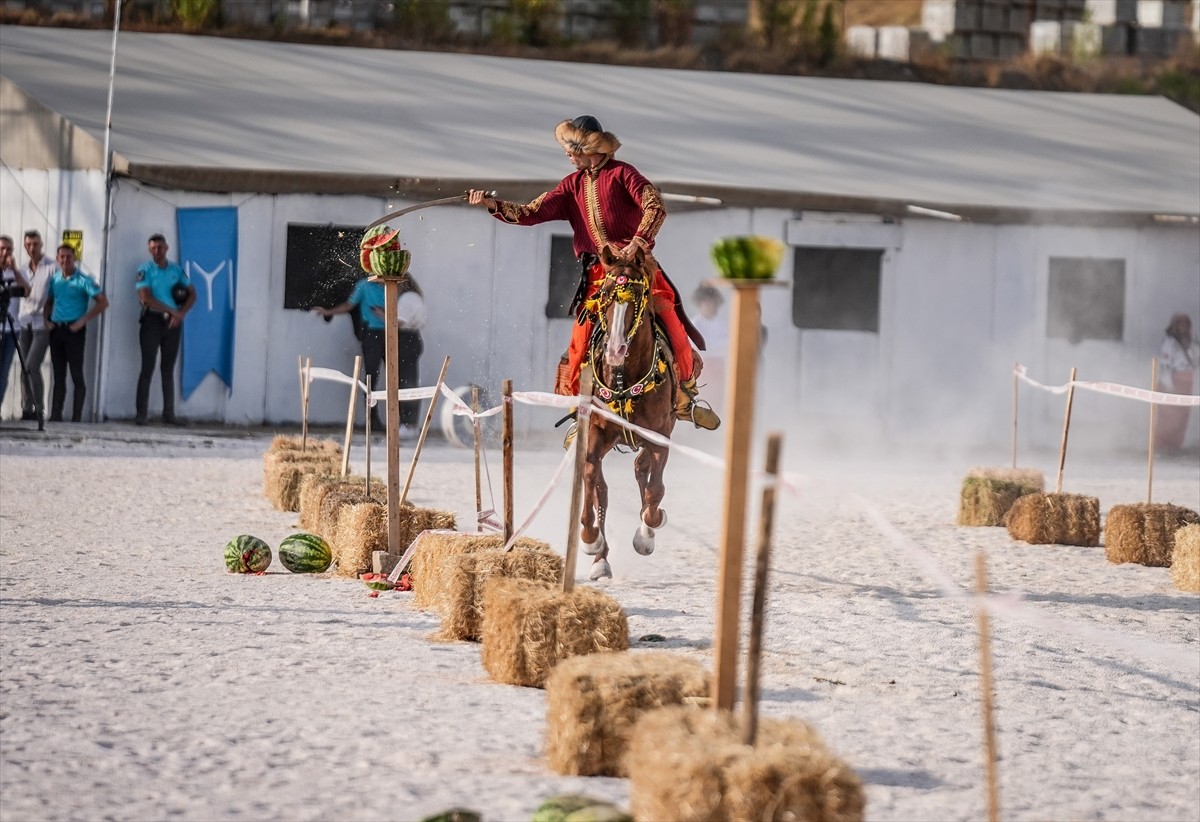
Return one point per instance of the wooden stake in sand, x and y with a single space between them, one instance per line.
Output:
985 668
584 421
367 435
306 376
1062 450
1014 417
743 372
1153 423
350 417
420 442
506 444
475 437
391 291
762 564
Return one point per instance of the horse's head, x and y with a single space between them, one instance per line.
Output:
621 301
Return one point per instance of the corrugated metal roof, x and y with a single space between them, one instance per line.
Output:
192 108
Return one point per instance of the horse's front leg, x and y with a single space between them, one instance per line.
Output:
595 509
648 467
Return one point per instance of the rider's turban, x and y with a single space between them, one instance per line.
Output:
585 135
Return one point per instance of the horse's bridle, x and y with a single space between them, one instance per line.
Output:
621 287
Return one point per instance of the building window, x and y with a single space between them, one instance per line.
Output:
322 265
836 289
564 278
1086 299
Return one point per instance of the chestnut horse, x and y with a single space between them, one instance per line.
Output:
633 376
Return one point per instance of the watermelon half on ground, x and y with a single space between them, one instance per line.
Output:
246 554
305 554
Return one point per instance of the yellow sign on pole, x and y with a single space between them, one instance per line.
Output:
74 238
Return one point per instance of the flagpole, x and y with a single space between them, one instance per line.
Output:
102 324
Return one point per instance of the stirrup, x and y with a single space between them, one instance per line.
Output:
700 414
570 437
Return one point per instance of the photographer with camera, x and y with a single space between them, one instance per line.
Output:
13 286
67 314
166 295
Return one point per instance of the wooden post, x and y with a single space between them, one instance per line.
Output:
762 564
424 432
744 338
300 372
1153 424
1062 450
583 420
307 372
391 290
507 445
1014 419
350 417
367 435
985 668
475 437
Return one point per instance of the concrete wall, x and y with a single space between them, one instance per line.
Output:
959 304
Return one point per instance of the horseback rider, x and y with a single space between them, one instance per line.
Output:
609 202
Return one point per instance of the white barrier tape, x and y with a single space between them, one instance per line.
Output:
1113 389
1010 605
460 409
403 394
546 398
332 375
657 438
567 458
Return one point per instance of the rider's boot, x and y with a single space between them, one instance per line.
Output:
688 407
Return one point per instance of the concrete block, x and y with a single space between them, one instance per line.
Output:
1127 11
994 17
1045 37
1010 46
382 562
1150 14
1175 13
983 46
893 43
1018 20
966 15
860 41
1102 12
1115 39
937 18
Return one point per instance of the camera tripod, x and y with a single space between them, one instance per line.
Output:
8 327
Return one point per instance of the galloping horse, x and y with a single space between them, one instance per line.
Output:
633 375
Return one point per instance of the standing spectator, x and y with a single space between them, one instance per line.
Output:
369 297
35 336
714 327
12 287
166 295
1178 359
67 314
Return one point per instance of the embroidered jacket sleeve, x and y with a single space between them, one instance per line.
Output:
646 195
552 205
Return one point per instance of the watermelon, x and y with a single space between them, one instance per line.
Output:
247 555
305 554
390 262
556 808
748 257
380 252
378 582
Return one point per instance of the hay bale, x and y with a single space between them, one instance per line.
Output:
434 545
356 524
1185 559
593 702
988 493
1144 532
313 445
529 627
313 491
1055 519
361 529
283 472
690 765
465 575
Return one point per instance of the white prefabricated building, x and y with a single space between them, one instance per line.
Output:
977 227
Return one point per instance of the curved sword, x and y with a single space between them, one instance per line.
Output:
444 201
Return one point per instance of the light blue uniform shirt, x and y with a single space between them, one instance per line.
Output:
160 281
71 295
367 296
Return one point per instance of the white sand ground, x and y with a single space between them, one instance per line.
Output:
140 681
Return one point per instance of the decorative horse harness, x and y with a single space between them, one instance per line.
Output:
620 287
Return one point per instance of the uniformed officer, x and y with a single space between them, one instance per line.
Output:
166 295
67 313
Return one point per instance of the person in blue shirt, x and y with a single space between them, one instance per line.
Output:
67 314
166 295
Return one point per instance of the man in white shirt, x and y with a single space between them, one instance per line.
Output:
35 335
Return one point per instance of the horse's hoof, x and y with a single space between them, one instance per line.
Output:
600 570
643 540
592 548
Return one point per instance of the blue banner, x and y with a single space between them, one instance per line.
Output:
208 254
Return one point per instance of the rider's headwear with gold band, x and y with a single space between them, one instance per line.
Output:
585 135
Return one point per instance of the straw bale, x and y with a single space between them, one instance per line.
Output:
1185 559
362 529
1144 532
313 492
1055 519
313 445
529 627
464 577
436 544
988 493
687 764
593 702
283 470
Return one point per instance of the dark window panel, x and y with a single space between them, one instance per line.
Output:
1086 299
322 265
564 278
836 289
